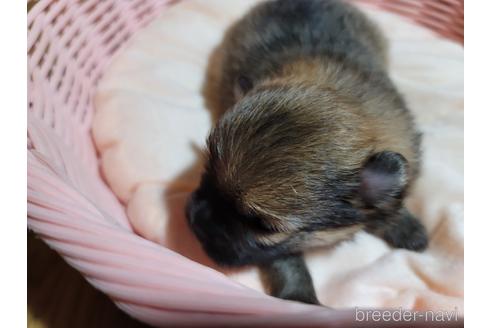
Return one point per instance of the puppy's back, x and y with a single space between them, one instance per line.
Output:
278 32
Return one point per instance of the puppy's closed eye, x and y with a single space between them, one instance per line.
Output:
243 85
258 224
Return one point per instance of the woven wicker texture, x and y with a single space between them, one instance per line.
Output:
70 43
444 17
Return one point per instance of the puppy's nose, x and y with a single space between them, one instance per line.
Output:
190 210
198 210
190 213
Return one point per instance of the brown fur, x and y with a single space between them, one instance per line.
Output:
327 123
312 143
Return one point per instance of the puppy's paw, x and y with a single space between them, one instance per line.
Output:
407 233
288 278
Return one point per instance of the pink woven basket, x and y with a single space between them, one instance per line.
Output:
70 43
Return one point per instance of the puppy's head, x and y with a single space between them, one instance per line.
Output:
290 168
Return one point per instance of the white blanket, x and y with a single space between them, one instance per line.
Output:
151 122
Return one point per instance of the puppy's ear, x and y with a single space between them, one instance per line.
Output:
384 178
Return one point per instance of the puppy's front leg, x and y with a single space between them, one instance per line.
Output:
288 278
402 230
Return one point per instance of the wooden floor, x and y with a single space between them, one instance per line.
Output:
59 297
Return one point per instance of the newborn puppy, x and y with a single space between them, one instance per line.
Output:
313 145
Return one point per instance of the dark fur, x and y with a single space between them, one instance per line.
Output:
289 278
314 142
